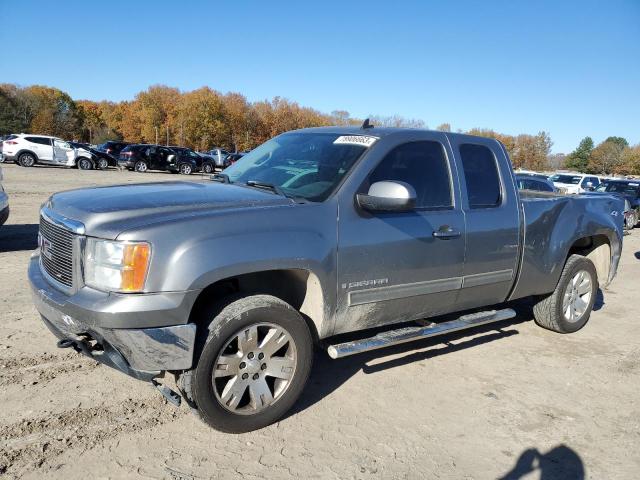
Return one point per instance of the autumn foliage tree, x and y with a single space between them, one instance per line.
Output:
205 118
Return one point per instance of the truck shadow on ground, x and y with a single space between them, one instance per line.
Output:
559 463
328 375
17 238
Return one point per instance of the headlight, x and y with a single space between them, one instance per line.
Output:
116 266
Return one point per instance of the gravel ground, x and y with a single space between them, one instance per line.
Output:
509 401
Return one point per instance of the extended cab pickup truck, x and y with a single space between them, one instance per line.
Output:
228 283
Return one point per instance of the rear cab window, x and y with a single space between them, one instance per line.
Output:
480 166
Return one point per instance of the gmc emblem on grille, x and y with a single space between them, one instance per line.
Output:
46 248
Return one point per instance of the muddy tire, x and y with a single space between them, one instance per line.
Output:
568 308
254 358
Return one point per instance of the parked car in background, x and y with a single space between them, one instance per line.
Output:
629 189
204 163
575 182
28 149
2 139
99 160
85 159
234 157
219 157
144 157
4 201
112 147
537 183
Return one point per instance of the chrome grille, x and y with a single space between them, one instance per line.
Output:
56 251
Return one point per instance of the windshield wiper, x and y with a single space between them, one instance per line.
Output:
268 186
220 177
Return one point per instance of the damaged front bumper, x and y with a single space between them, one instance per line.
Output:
142 353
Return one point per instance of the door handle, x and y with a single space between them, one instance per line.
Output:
445 232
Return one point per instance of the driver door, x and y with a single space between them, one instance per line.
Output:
397 266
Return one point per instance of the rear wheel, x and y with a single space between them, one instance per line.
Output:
27 160
103 164
253 365
568 308
141 166
85 164
185 169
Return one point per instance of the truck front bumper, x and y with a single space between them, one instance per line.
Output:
142 353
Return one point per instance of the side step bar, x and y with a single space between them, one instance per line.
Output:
409 334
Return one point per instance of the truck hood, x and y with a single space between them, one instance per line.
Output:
108 211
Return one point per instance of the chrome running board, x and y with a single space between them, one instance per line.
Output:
409 334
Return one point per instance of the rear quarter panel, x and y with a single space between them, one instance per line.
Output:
553 223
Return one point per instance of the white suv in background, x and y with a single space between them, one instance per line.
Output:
575 182
26 149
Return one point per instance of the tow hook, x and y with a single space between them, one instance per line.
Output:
171 396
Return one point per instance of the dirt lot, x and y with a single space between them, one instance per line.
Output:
510 402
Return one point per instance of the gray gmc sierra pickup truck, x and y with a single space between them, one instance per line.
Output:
229 283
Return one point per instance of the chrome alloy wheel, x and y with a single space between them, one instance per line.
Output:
577 296
254 368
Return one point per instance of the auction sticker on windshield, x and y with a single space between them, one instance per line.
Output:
363 140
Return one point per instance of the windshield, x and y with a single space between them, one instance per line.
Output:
305 165
571 179
626 188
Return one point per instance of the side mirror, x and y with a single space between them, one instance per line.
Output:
388 196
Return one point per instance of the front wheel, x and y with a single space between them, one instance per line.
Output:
253 365
185 169
85 164
207 168
568 308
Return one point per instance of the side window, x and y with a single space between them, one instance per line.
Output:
527 185
424 166
39 140
480 175
61 144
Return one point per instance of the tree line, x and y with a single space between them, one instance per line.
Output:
204 118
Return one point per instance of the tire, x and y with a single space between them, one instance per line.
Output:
207 168
554 312
85 164
27 160
185 169
103 164
264 317
2 158
141 166
629 223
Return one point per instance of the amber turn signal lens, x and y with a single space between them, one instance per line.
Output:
135 264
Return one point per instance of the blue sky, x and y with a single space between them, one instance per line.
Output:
571 68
